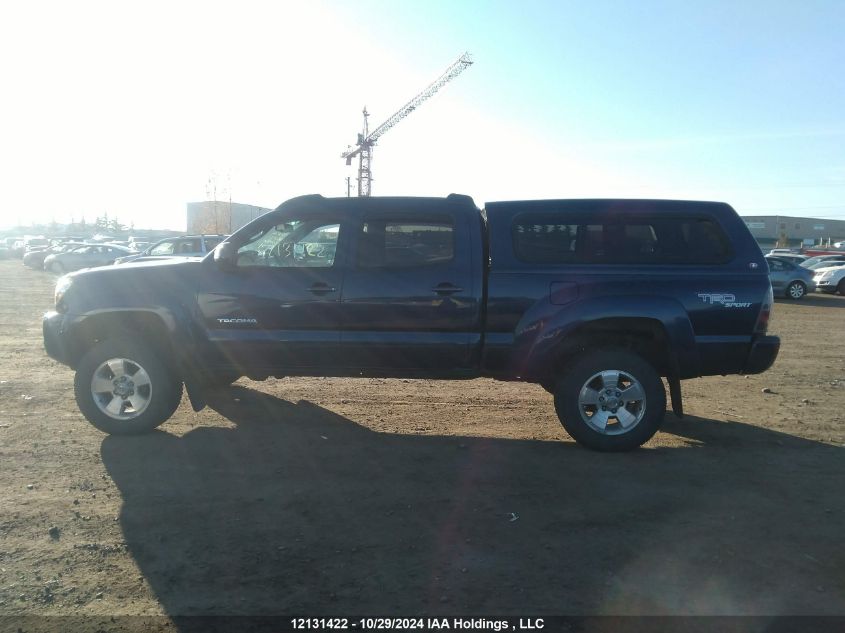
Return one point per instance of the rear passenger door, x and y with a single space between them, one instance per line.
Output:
407 300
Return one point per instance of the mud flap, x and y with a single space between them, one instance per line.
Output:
675 394
196 394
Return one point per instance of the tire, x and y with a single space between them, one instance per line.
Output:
144 383
605 371
57 268
840 288
796 290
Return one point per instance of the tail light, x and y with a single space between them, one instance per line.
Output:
765 314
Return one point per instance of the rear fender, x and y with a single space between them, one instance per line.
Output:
548 331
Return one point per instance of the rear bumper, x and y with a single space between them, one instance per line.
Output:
52 326
764 351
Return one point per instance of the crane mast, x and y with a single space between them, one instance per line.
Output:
366 139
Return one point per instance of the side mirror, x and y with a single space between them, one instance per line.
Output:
226 255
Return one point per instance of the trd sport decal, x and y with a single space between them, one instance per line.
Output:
725 299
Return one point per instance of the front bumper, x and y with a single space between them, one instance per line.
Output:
825 285
764 351
52 325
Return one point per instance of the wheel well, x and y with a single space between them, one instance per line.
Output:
139 326
643 336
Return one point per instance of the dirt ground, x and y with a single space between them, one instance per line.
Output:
395 497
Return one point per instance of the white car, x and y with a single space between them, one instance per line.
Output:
830 279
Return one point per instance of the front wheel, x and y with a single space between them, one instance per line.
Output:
611 401
124 389
796 290
841 288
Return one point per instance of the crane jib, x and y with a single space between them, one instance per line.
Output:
367 139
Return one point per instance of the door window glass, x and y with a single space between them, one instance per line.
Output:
165 248
211 242
185 247
389 244
292 244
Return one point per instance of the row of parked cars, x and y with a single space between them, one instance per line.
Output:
793 275
62 256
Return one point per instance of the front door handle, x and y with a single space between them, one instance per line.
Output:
446 289
321 288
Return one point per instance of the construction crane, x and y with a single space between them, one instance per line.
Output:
366 139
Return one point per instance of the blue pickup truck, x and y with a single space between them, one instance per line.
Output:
594 300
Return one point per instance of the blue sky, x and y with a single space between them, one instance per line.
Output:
132 108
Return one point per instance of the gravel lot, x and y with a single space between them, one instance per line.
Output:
328 496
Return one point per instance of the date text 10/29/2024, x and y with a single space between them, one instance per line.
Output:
419 624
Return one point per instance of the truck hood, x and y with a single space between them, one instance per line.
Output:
146 285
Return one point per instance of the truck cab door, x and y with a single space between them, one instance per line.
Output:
275 308
410 301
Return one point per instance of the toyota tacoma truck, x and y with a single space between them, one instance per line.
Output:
595 300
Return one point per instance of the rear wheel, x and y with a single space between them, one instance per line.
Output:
796 290
611 401
841 288
123 388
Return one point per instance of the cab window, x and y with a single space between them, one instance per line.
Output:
406 243
292 244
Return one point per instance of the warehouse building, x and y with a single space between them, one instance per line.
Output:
220 217
790 231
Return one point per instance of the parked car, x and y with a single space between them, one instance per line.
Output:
832 261
186 246
85 256
830 280
788 279
594 300
790 257
34 243
818 258
35 259
17 248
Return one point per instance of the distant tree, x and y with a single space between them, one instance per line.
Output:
116 226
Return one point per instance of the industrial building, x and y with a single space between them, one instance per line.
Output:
220 217
791 231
